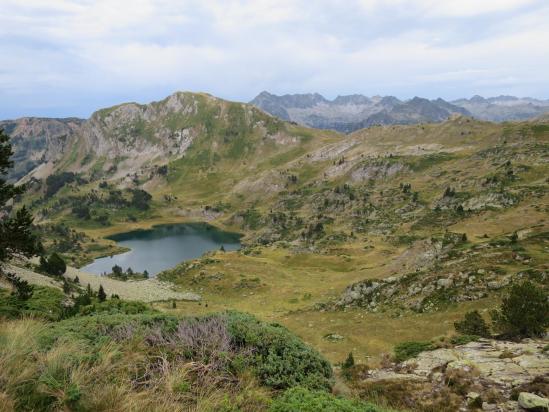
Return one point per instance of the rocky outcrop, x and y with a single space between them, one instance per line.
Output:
488 373
377 170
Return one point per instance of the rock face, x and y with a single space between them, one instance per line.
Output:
489 372
37 141
349 113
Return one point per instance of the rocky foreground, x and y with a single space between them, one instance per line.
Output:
487 374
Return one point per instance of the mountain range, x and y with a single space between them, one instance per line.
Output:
353 112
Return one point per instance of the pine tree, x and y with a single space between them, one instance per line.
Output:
101 295
349 362
17 237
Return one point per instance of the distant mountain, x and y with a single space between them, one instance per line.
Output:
502 108
349 113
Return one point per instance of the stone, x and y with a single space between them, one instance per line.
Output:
333 337
532 402
445 282
425 362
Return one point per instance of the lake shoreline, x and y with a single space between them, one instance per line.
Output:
163 246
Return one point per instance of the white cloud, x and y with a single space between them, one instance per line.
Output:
105 50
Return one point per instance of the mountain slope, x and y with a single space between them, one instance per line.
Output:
322 214
38 141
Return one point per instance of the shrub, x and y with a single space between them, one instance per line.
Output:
463 339
281 359
56 181
304 400
407 350
22 290
54 265
472 324
276 357
141 199
349 362
45 303
523 313
115 306
347 366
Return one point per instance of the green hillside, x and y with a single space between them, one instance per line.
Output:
355 243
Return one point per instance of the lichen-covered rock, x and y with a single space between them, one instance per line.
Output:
532 402
477 366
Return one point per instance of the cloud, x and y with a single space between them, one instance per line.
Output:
69 57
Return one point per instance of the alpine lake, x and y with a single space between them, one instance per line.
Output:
164 246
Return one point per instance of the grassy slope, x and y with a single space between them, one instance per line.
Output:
233 163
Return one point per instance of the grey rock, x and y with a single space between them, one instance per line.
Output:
532 402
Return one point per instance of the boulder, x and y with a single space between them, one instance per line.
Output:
531 402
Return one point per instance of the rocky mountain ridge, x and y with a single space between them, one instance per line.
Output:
125 138
353 112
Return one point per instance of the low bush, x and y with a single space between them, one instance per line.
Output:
463 339
472 324
44 303
304 400
407 350
281 359
277 358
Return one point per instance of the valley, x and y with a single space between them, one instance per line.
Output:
354 242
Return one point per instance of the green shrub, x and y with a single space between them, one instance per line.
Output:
54 265
523 313
304 400
407 350
463 339
56 181
277 357
472 324
116 306
281 359
44 303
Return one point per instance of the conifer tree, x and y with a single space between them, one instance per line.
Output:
101 295
17 237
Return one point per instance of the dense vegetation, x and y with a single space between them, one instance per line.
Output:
120 355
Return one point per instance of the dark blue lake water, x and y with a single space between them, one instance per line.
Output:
164 246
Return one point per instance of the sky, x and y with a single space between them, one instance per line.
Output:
64 58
